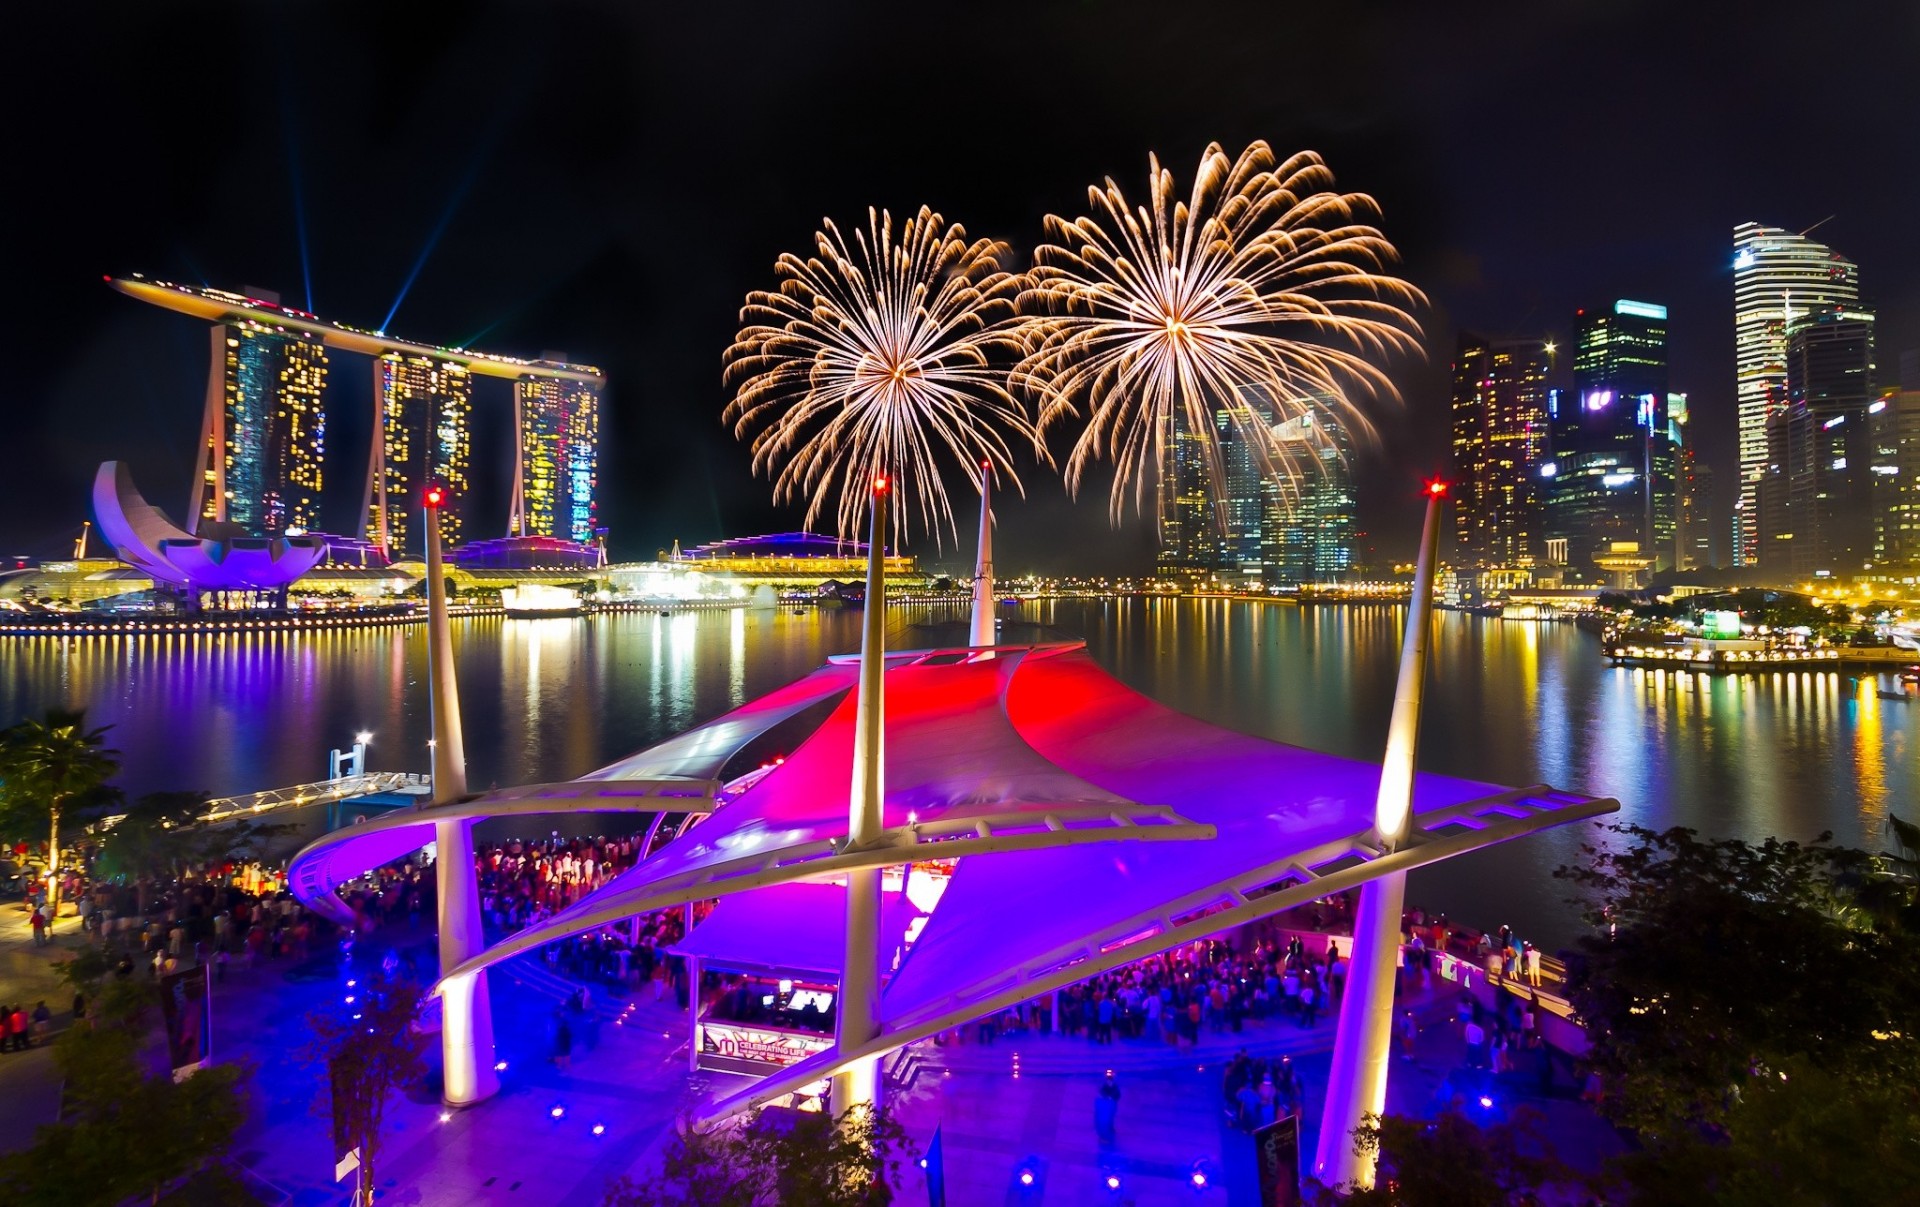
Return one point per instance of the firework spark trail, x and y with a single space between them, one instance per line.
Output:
876 357
1264 294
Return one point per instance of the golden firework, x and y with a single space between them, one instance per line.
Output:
1264 295
876 357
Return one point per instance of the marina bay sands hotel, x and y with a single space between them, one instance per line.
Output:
264 431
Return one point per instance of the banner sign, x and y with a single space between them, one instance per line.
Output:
1276 1149
186 1001
777 1049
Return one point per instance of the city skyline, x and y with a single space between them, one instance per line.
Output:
644 278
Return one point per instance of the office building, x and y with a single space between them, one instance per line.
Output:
1189 532
1893 430
1816 515
1311 519
556 473
424 406
1499 442
1777 275
1693 513
1610 476
262 453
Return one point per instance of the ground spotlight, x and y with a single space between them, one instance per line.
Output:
446 1116
1113 1181
1486 1103
599 1129
558 1111
1026 1177
500 1066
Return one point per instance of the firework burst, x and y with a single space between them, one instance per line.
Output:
875 356
1264 294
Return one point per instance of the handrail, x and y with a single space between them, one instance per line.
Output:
323 792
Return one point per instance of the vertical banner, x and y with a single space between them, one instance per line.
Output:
936 1172
186 1001
1276 1149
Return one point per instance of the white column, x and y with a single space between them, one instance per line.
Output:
859 1019
1362 1043
466 1013
981 632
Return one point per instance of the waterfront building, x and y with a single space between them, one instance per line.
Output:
1610 476
556 470
1499 438
1776 276
262 454
424 406
263 438
793 559
1893 433
1816 515
1313 519
1693 525
1189 536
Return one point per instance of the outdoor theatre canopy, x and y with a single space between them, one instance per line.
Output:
1091 826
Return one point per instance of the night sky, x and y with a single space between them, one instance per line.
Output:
609 180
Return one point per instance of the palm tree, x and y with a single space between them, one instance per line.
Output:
47 766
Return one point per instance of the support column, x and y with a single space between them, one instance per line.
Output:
1363 1039
859 1020
466 1013
981 632
693 1014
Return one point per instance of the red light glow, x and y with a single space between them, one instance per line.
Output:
1436 488
435 497
880 484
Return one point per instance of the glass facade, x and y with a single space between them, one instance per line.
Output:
266 442
1893 426
1499 442
425 408
1189 536
1777 275
1611 474
1815 497
557 476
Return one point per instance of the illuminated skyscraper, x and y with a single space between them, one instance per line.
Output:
1893 425
1815 500
1310 525
1189 533
1610 476
1499 441
557 472
423 406
263 441
1777 275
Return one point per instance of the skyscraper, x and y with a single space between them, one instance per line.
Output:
1499 438
1776 276
1611 474
423 405
1311 523
1189 533
1893 426
557 470
263 438
1815 497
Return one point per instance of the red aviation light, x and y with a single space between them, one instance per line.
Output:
880 484
1436 488
435 497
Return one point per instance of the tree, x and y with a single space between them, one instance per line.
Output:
368 1048
777 1157
1743 1000
49 765
132 1133
161 837
1451 1161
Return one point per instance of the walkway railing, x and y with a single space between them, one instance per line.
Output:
252 804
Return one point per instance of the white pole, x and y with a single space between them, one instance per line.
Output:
859 1084
1362 1042
693 1014
466 1013
981 632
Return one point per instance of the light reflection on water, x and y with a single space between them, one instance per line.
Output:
1509 703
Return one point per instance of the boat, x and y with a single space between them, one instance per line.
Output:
534 600
1903 697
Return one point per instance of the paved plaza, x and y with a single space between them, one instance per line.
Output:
1024 1103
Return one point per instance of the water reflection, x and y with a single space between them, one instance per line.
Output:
1509 703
